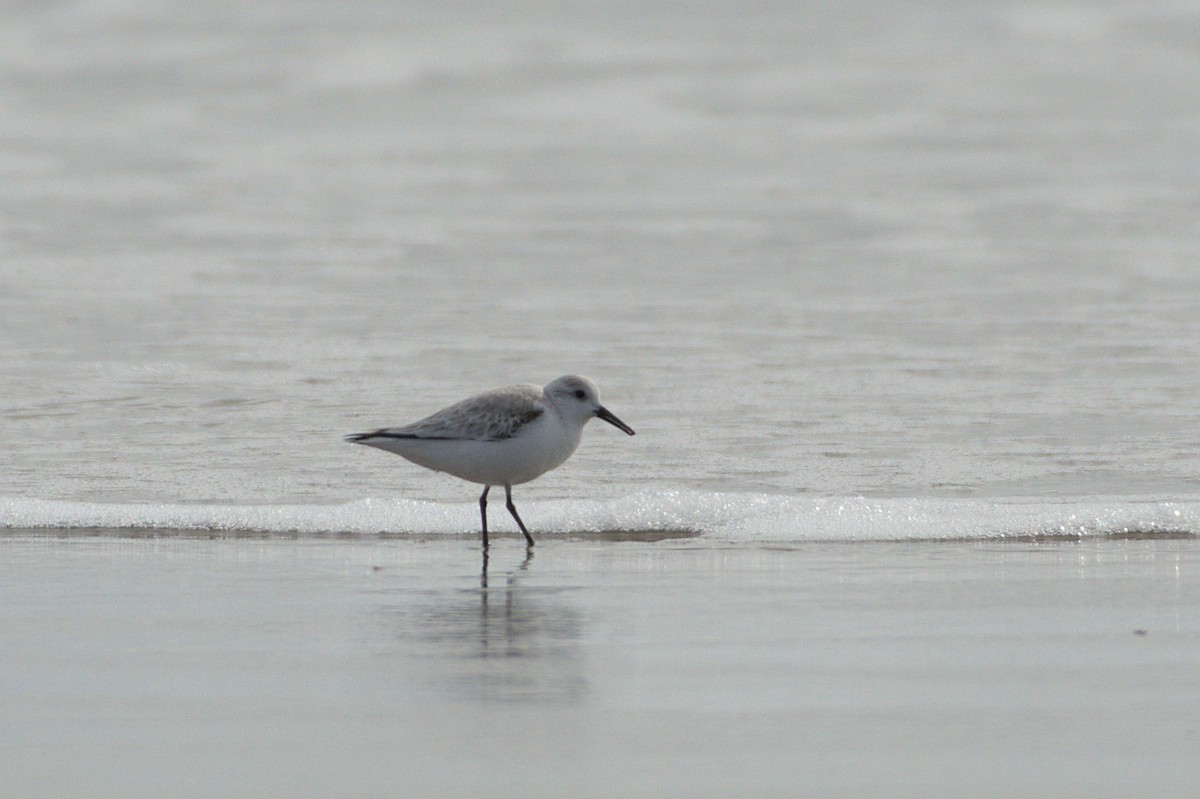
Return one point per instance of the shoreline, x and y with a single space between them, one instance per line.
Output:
646 536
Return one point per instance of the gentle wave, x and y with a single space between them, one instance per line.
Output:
714 516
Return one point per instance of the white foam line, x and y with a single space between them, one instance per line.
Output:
725 517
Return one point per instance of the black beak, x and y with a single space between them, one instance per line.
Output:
607 415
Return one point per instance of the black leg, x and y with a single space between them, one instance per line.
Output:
483 516
513 510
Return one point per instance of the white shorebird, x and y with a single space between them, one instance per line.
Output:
502 437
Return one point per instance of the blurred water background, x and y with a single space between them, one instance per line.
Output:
935 255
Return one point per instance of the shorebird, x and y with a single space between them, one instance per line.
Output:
507 436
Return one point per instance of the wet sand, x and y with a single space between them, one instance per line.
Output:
244 667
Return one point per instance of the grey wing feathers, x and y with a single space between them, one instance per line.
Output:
488 417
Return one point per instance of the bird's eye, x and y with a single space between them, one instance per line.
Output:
579 394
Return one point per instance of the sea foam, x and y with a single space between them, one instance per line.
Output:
712 516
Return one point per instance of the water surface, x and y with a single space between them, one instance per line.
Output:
927 251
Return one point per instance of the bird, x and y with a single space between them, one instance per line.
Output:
506 436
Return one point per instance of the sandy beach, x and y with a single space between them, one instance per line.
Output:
317 667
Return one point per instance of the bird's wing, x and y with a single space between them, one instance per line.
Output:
493 416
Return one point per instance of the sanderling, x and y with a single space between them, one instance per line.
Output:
503 437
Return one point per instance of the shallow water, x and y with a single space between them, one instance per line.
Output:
315 667
824 250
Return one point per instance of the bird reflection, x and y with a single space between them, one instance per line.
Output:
503 641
